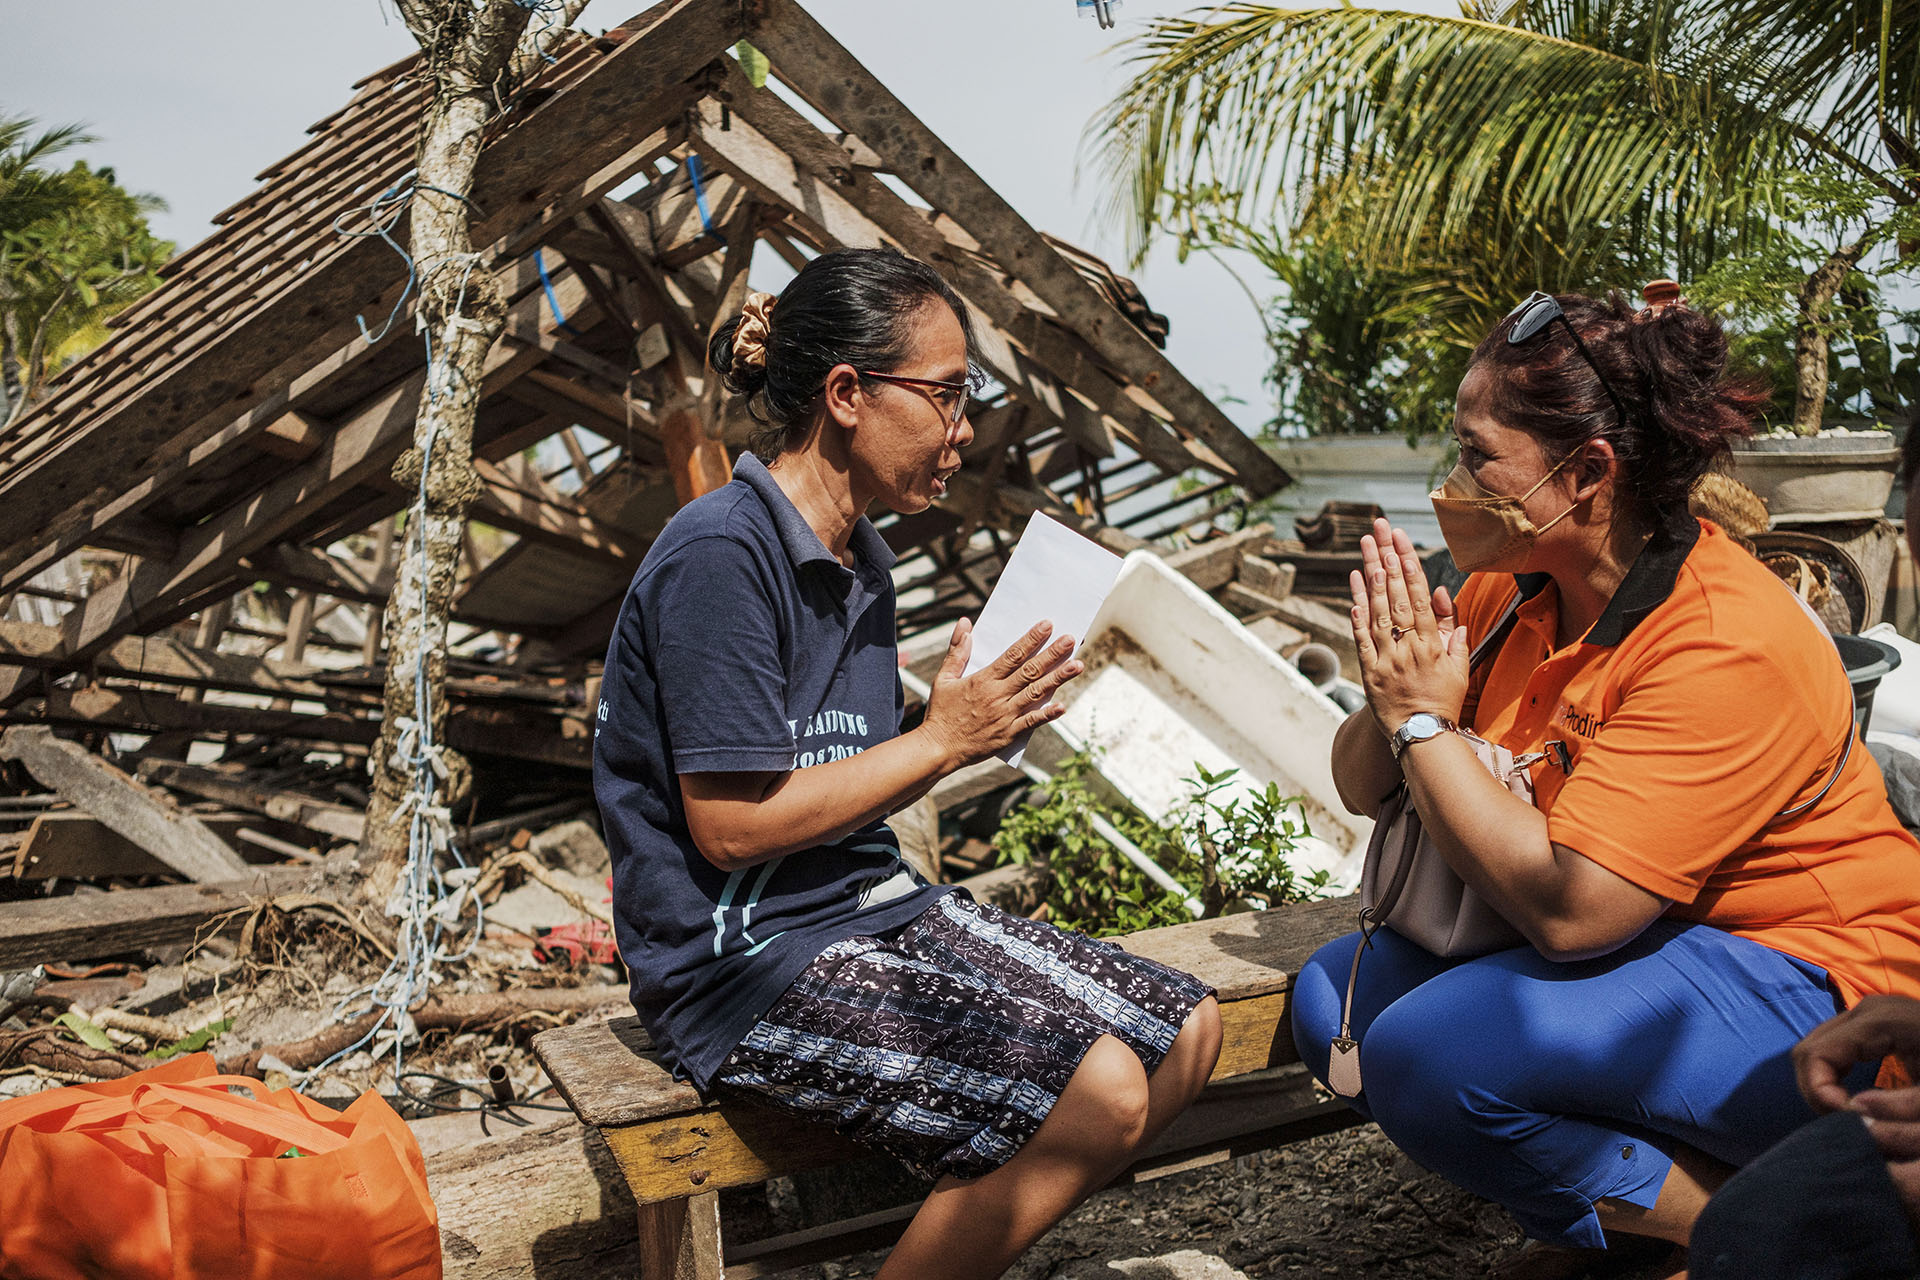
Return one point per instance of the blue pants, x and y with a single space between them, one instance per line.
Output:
1546 1086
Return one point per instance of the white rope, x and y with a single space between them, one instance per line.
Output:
428 903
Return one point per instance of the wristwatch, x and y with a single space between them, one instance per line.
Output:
1419 726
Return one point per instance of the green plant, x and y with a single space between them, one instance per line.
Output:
1227 849
1450 164
1808 308
1239 844
74 250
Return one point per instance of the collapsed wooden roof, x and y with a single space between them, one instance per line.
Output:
238 425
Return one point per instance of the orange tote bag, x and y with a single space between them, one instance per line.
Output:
166 1175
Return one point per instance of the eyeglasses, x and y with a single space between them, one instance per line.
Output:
962 392
1542 309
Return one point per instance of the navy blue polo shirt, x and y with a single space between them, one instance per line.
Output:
743 646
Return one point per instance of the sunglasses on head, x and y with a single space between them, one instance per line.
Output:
1540 310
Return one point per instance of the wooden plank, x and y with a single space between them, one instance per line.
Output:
826 75
165 660
129 809
571 1217
543 739
1212 565
87 926
338 820
74 845
309 568
972 782
550 519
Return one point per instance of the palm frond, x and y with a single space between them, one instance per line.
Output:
1452 121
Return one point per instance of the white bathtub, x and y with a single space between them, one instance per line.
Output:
1173 680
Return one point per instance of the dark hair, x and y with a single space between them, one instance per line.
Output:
850 306
1668 365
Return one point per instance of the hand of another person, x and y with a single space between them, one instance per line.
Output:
1871 1030
1413 651
977 715
1893 1118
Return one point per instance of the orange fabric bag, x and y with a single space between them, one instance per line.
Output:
165 1175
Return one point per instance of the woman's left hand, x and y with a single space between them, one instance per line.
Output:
1413 652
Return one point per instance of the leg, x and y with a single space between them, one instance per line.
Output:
1692 1180
1184 1072
1137 1001
1025 1064
1552 1088
1820 1203
680 1239
973 1229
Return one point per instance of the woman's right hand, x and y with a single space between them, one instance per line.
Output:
974 716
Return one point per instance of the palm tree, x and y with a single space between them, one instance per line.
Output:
1525 143
74 249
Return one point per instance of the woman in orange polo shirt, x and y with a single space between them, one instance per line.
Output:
1710 868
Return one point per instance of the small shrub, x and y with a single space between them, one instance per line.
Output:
1230 853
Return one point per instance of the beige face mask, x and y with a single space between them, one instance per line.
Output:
1484 531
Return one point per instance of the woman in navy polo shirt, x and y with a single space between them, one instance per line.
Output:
749 751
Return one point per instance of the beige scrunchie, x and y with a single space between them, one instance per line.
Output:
750 339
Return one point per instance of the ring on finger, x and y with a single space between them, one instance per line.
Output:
1396 631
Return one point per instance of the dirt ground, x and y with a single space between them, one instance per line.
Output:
1341 1207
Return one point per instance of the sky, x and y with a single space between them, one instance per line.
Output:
191 101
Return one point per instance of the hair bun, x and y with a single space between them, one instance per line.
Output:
1661 294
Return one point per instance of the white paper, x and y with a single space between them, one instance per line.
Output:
1055 575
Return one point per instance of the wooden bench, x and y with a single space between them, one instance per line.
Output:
677 1152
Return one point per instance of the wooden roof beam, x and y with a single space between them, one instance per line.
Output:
1057 349
357 451
569 139
804 56
550 520
111 505
781 180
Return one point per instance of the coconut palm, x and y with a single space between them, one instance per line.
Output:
1527 143
74 249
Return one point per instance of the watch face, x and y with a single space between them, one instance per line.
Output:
1420 726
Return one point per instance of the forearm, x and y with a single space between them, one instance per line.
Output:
818 805
1494 840
1364 770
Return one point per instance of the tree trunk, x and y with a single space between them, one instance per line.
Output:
467 50
13 383
1810 338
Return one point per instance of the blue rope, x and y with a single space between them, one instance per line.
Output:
698 175
559 316
546 9
383 214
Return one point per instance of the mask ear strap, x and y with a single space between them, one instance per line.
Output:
1555 469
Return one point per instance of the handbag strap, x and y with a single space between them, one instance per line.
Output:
1491 642
1798 809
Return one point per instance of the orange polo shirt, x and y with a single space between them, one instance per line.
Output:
1703 702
